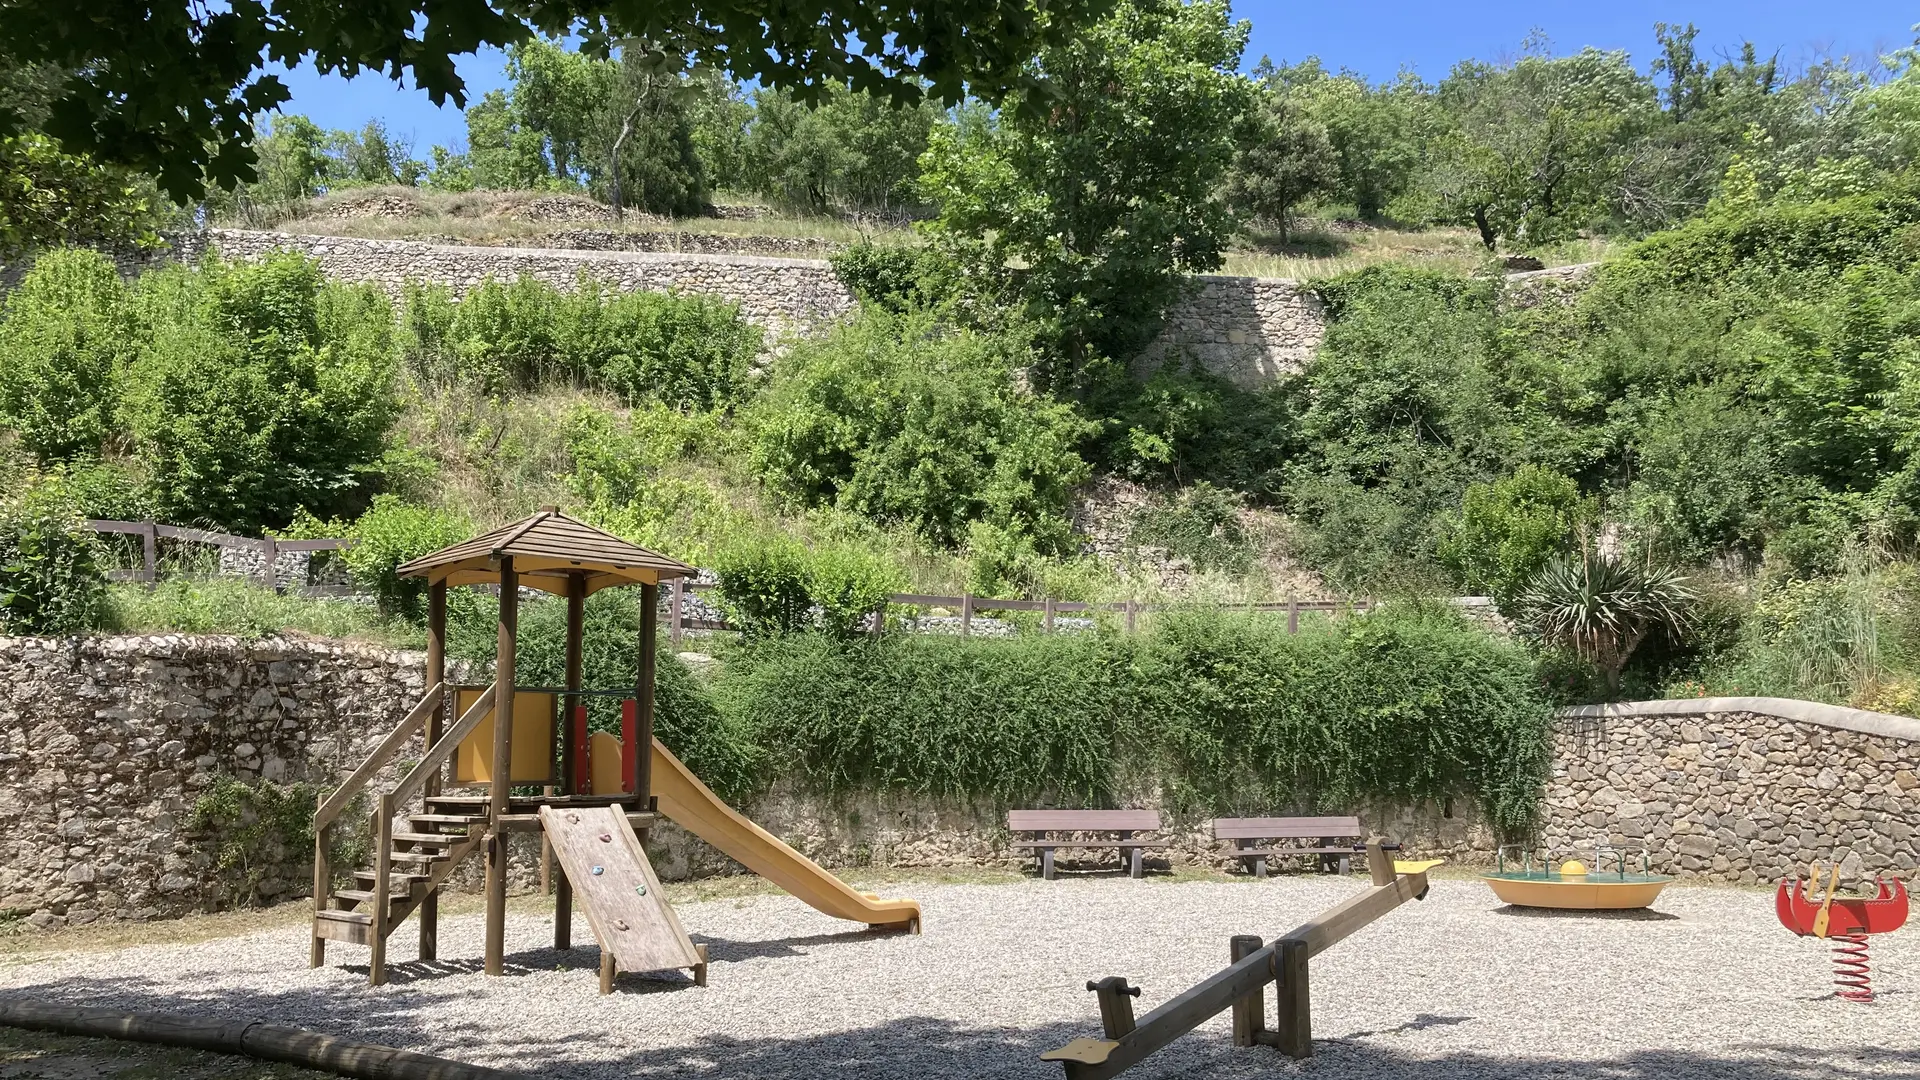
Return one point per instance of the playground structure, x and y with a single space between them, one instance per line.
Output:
599 807
1573 886
1241 986
1845 920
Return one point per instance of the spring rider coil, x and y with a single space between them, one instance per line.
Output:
1846 921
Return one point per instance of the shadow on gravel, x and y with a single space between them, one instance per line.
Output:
925 1047
726 950
1627 915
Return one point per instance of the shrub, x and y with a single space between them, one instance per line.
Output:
390 533
847 584
690 352
1200 523
258 827
63 341
892 277
1509 529
51 580
1601 607
901 420
627 476
257 391
762 581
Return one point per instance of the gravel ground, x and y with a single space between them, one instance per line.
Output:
1708 985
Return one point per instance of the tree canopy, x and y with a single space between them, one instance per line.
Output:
173 89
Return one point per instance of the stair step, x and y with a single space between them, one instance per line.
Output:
358 918
424 857
365 896
402 878
445 819
459 800
443 839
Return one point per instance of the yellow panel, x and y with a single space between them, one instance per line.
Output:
605 762
532 740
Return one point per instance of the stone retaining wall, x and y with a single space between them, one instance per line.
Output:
108 744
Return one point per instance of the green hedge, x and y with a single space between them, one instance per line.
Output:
1225 714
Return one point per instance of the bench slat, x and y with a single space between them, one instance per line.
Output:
1275 828
1082 820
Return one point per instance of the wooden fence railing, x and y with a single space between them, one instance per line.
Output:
679 591
151 533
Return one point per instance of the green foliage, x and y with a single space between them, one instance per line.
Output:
763 584
390 533
1200 523
1087 198
687 351
49 197
64 339
905 421
1509 529
257 390
848 584
628 475
258 829
227 605
1601 607
51 577
1227 714
848 150
896 278
1285 157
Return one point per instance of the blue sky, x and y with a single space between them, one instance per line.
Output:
1375 38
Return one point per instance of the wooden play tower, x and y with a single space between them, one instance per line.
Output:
458 798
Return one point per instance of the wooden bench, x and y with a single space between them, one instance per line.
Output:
1045 824
1256 839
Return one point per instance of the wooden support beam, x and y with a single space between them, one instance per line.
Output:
1250 1012
436 722
501 781
1293 1029
571 753
643 738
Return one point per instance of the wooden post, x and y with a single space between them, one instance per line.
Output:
1378 865
1294 1025
150 552
879 626
643 738
269 553
676 602
966 614
1250 1012
1046 615
606 971
382 870
436 674
322 886
1116 1004
1132 610
570 754
1293 615
502 780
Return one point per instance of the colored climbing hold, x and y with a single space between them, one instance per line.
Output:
619 924
598 870
606 838
641 889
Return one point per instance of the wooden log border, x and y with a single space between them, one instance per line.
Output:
250 1038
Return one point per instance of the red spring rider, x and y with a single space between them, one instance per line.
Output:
1846 920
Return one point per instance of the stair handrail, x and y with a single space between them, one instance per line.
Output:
439 752
344 794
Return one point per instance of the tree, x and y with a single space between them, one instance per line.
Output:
173 88
1099 187
847 150
1285 157
63 341
1602 607
50 196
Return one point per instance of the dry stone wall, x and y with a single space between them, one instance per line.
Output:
107 745
1738 789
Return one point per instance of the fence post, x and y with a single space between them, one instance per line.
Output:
676 594
150 553
1293 614
269 554
966 614
1131 610
1046 615
879 620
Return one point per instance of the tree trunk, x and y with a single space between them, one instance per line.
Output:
1487 235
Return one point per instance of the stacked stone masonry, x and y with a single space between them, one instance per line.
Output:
108 744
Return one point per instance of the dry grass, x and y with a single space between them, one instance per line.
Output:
1319 249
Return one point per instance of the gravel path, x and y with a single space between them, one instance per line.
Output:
1457 986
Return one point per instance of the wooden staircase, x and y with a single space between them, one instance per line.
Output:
410 865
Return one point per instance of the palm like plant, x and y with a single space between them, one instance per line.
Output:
1602 607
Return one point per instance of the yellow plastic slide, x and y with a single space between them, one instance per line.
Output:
697 809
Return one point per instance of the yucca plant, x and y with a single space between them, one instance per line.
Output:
1602 607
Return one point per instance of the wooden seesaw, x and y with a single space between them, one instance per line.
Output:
1242 986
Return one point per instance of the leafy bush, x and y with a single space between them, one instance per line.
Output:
627 475
762 581
904 421
690 352
51 579
390 533
258 389
1200 523
63 340
847 584
1510 528
1226 714
258 828
892 277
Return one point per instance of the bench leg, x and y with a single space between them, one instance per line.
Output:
1260 866
1135 861
1346 865
1046 864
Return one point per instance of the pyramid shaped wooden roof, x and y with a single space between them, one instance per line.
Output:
547 548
